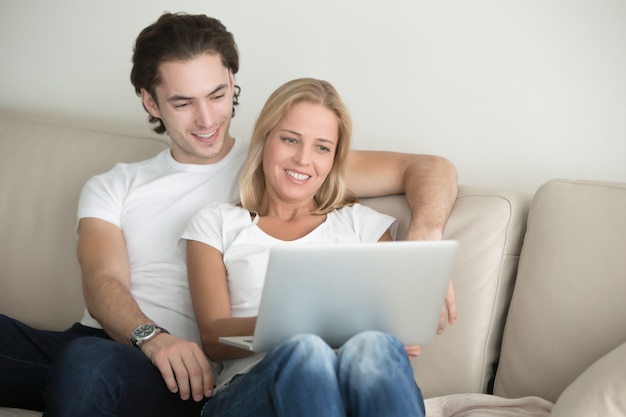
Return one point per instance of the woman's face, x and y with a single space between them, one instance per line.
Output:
299 152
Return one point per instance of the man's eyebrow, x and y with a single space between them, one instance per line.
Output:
177 97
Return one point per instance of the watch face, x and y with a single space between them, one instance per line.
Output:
143 332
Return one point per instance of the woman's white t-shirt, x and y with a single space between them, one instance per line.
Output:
245 247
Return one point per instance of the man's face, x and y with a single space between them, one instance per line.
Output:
195 103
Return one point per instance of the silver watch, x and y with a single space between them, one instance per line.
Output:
144 333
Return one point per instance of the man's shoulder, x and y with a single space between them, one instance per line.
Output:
156 164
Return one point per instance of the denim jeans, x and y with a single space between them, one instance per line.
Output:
68 374
26 358
370 375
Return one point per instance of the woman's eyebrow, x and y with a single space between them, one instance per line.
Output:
293 132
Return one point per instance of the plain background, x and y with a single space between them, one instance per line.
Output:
513 92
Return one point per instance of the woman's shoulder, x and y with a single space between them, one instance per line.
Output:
356 210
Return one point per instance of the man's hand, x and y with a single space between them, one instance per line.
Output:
450 308
182 364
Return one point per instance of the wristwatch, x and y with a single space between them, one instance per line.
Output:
144 333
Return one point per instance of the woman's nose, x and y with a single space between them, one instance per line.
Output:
303 155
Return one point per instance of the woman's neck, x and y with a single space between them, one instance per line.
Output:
288 221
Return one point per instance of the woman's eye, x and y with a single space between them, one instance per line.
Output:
288 140
323 148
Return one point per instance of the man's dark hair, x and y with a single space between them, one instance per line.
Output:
179 37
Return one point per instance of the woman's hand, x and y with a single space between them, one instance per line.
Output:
413 351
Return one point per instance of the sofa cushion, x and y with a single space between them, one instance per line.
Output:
568 307
43 167
489 226
485 405
599 391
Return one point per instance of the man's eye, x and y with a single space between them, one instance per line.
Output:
180 105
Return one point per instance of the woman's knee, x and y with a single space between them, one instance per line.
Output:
374 343
308 353
374 354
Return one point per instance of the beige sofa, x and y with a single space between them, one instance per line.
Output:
541 294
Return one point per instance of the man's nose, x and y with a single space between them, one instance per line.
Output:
204 114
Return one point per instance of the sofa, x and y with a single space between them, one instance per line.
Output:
540 279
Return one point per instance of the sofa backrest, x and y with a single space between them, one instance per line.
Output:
489 225
43 168
569 304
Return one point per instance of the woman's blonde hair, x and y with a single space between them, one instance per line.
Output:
333 193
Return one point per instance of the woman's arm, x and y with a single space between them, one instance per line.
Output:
211 302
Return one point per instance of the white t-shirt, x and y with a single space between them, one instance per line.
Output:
245 248
151 201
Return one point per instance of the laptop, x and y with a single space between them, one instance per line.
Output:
338 290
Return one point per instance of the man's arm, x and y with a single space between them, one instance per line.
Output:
106 286
429 182
430 185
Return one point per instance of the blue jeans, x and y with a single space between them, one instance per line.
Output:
26 358
370 375
71 374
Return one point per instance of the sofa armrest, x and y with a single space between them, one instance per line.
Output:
568 305
600 391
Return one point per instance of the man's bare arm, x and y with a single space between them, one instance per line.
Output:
106 286
429 182
106 279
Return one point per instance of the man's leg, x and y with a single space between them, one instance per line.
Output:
26 356
376 377
297 378
97 377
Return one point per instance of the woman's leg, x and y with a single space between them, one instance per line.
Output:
296 378
376 377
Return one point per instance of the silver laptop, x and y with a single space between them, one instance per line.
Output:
338 290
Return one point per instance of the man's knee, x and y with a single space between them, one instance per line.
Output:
91 358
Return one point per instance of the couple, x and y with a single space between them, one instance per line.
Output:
130 220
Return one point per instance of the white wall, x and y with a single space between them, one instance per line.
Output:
514 92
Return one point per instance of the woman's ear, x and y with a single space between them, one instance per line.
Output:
150 104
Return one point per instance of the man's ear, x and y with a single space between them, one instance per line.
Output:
232 78
150 104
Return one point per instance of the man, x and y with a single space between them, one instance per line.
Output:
146 358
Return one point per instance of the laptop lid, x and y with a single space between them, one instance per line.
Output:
339 290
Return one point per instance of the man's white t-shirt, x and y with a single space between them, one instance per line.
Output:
245 248
151 202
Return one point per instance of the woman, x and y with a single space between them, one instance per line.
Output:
292 190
